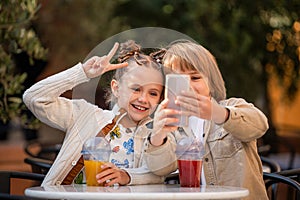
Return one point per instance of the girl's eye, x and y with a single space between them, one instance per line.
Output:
154 94
136 89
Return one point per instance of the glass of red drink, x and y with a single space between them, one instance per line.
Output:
189 159
189 172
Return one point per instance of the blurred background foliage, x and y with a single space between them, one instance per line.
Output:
20 47
252 40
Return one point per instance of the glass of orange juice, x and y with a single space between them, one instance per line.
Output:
92 168
96 152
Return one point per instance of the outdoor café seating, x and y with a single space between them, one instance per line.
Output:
7 181
282 184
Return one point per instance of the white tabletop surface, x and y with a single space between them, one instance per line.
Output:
136 192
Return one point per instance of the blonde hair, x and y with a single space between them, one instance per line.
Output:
192 56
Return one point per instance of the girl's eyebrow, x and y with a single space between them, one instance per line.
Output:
138 85
134 85
155 89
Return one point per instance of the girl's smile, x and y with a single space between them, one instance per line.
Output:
139 108
138 92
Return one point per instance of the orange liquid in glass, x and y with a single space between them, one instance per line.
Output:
92 168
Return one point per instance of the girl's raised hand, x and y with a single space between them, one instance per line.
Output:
161 123
97 66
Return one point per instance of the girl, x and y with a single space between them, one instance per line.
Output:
229 127
136 90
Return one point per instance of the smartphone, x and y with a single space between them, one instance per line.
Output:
176 83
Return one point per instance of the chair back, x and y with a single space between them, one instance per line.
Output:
271 164
6 183
37 149
291 173
39 165
275 178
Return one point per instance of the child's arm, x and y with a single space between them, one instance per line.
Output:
245 122
128 176
45 101
160 155
162 119
43 98
161 160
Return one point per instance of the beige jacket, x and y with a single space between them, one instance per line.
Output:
79 120
231 153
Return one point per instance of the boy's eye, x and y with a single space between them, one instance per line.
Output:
196 77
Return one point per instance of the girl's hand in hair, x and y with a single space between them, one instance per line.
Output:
97 66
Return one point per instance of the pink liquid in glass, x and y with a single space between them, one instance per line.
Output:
189 172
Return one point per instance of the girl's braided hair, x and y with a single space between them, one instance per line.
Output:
131 52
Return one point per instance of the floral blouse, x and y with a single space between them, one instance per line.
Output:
121 141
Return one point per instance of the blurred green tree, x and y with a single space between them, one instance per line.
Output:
238 34
18 38
252 40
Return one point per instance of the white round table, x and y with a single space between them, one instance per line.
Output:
158 191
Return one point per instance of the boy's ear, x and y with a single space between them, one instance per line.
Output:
114 87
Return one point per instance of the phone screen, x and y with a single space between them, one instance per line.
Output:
176 83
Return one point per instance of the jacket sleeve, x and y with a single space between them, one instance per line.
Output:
152 166
161 160
246 122
44 101
142 175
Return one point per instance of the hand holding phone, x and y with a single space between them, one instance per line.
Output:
176 83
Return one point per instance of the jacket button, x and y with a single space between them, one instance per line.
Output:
58 183
211 184
74 162
206 159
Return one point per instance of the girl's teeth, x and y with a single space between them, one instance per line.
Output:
140 108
